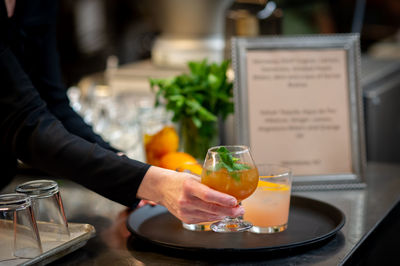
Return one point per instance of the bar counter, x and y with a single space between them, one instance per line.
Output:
367 211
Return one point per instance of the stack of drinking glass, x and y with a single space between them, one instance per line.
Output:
32 220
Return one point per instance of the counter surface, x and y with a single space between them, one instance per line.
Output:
113 244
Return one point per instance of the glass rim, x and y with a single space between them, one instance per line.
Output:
14 201
38 188
244 148
287 171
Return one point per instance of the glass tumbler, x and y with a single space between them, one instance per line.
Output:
48 209
268 208
18 230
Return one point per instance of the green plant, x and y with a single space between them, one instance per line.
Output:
197 99
202 95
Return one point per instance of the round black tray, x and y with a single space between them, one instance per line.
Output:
310 222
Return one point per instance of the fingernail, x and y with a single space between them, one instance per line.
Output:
233 202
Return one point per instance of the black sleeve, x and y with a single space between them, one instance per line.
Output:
41 60
29 132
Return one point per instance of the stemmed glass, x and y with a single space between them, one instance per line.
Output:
230 169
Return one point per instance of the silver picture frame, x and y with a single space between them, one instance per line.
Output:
350 43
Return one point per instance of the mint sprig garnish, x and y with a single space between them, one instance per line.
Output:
230 163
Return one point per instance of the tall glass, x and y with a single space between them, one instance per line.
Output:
48 209
231 170
268 207
19 236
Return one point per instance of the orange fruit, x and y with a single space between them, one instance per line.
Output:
174 160
265 185
151 159
161 143
194 168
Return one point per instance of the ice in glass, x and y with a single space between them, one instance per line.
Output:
268 208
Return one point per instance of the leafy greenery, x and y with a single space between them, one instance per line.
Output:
230 163
202 95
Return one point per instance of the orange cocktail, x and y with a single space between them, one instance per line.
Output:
239 184
231 170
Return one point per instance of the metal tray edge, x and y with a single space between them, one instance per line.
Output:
65 248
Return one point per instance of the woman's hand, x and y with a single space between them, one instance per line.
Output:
146 202
185 197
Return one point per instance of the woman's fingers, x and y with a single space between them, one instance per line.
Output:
146 202
195 203
185 197
211 203
191 216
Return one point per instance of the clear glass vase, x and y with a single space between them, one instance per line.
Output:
196 141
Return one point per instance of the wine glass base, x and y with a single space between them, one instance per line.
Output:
228 226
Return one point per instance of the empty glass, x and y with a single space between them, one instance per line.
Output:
48 209
18 231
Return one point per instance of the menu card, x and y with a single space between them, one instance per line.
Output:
298 109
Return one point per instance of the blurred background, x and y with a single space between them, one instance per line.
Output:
91 30
109 49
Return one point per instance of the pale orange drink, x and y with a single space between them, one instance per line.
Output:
268 208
